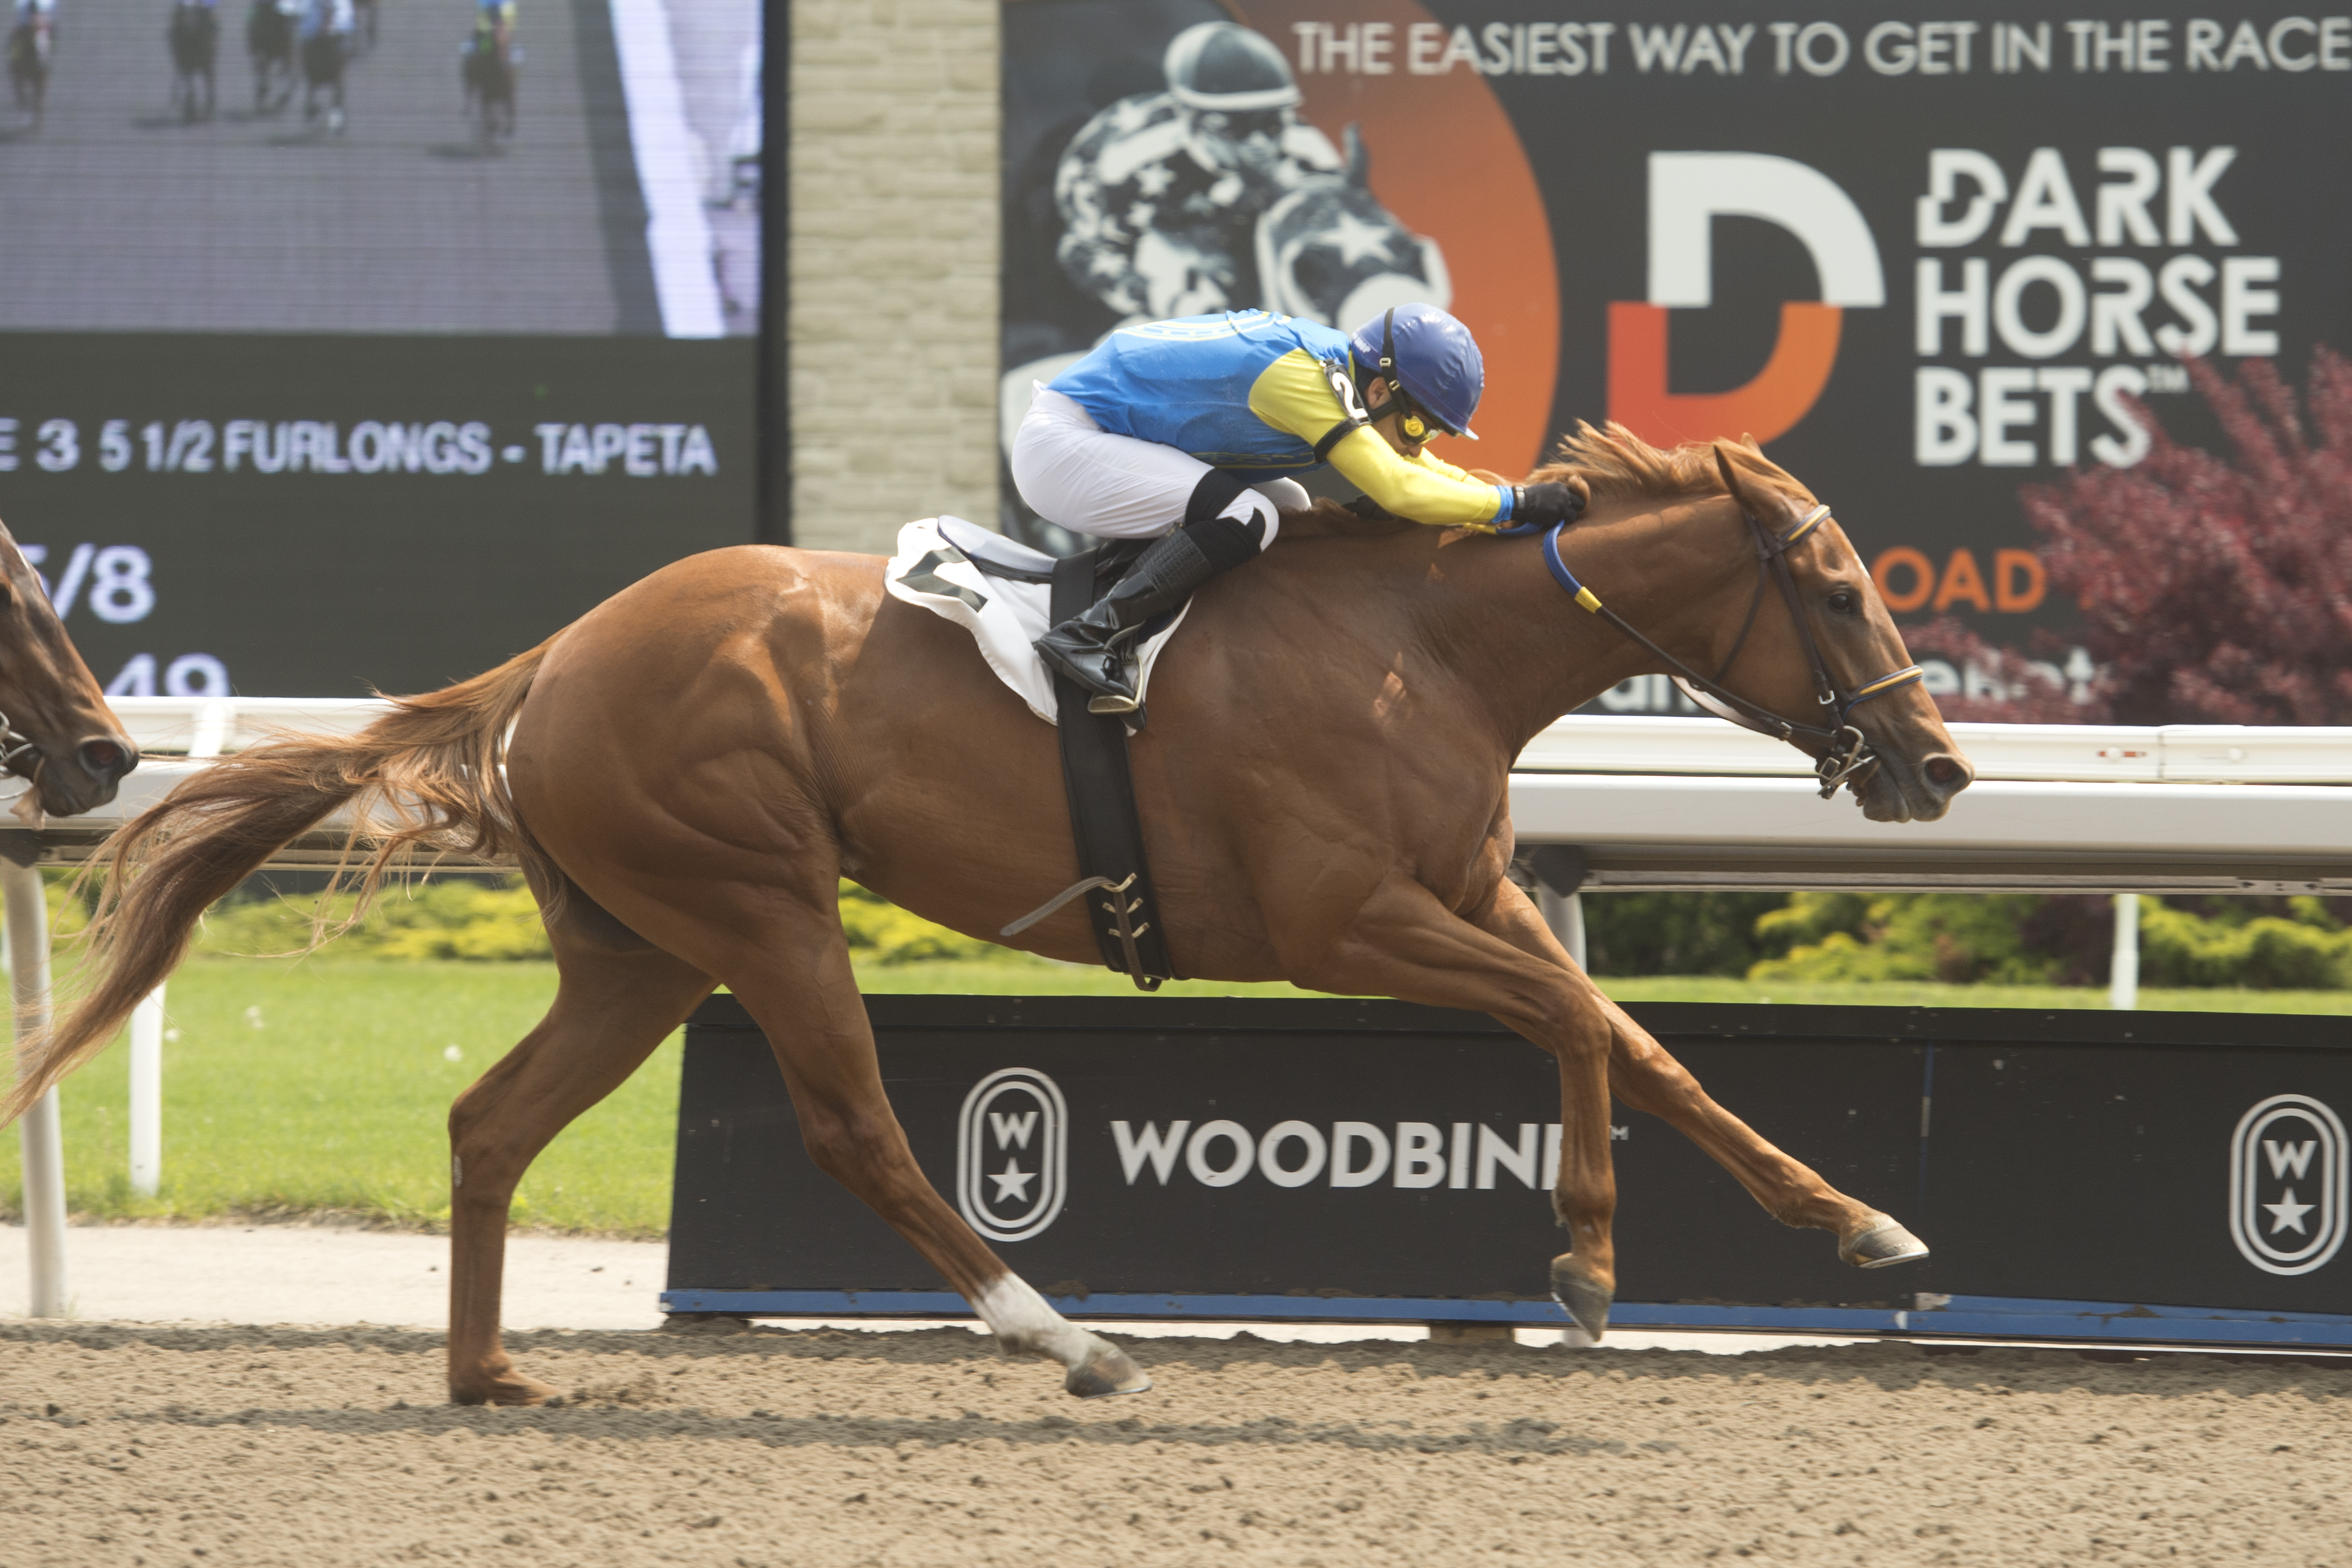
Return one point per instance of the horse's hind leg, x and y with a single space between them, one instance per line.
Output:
616 1001
815 1021
1646 1076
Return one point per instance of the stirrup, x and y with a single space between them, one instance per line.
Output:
1110 703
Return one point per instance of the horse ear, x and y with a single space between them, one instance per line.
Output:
1731 480
1359 160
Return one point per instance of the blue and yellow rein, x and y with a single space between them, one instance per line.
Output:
1846 751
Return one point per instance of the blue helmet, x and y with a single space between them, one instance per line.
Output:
1431 356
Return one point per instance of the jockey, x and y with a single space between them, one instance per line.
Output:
37 19
494 21
1186 433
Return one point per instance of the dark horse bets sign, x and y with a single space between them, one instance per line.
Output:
1923 258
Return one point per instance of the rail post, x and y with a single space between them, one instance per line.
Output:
27 926
147 1094
2123 974
1564 912
215 725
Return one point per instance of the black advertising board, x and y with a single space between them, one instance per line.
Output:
1924 259
1370 1159
320 386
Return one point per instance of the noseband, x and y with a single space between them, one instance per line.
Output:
1845 752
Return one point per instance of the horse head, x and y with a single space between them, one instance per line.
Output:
56 730
1717 567
1330 252
1827 657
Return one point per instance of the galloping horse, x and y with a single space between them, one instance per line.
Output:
488 75
29 67
269 39
693 765
195 38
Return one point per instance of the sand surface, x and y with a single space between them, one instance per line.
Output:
124 1444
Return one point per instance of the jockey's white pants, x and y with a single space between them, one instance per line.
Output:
1091 481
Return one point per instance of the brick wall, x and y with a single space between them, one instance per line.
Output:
894 267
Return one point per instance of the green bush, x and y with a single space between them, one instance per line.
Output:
493 920
1675 934
2306 949
880 931
474 918
1956 938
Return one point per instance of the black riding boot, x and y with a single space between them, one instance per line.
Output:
1096 650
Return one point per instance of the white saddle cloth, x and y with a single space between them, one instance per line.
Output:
935 569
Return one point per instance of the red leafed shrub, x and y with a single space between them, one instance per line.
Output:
2213 589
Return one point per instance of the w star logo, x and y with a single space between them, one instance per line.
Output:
1012 1147
2288 1184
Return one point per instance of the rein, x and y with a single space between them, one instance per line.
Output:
1845 751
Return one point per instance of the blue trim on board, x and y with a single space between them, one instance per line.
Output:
1963 1317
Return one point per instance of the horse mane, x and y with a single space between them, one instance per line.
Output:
1617 465
1614 464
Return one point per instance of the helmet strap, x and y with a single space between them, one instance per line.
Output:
1386 370
1410 422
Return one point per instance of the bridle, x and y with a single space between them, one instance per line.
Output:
1845 753
14 744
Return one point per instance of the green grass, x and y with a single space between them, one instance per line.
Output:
321 1087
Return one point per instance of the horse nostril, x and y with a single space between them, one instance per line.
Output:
106 759
1946 772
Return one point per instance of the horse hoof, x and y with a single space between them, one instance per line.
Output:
506 1389
1587 1299
1879 1245
1107 1369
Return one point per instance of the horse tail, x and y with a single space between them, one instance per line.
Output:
425 776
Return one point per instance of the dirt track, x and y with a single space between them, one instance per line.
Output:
147 1445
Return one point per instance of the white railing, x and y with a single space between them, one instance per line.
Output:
2077 753
1581 744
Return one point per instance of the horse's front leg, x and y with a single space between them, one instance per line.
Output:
1405 943
1646 1076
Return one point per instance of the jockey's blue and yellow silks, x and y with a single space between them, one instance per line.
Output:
1247 391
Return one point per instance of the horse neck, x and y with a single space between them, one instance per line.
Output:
1679 570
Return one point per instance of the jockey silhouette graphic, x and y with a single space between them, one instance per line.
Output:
1160 193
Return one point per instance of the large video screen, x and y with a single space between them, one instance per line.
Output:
1927 259
356 345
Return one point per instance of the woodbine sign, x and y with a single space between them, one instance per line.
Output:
1376 1160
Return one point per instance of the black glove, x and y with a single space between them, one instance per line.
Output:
1541 506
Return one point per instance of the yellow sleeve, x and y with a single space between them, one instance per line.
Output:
1423 488
1294 395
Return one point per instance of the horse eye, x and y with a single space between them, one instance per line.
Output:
1843 602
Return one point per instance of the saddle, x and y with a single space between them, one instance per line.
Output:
1006 594
999 590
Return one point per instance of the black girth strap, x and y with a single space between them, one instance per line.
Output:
1102 805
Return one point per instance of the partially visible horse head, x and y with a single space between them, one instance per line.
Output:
1762 657
1329 252
55 727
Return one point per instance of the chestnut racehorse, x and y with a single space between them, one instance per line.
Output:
693 765
56 731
